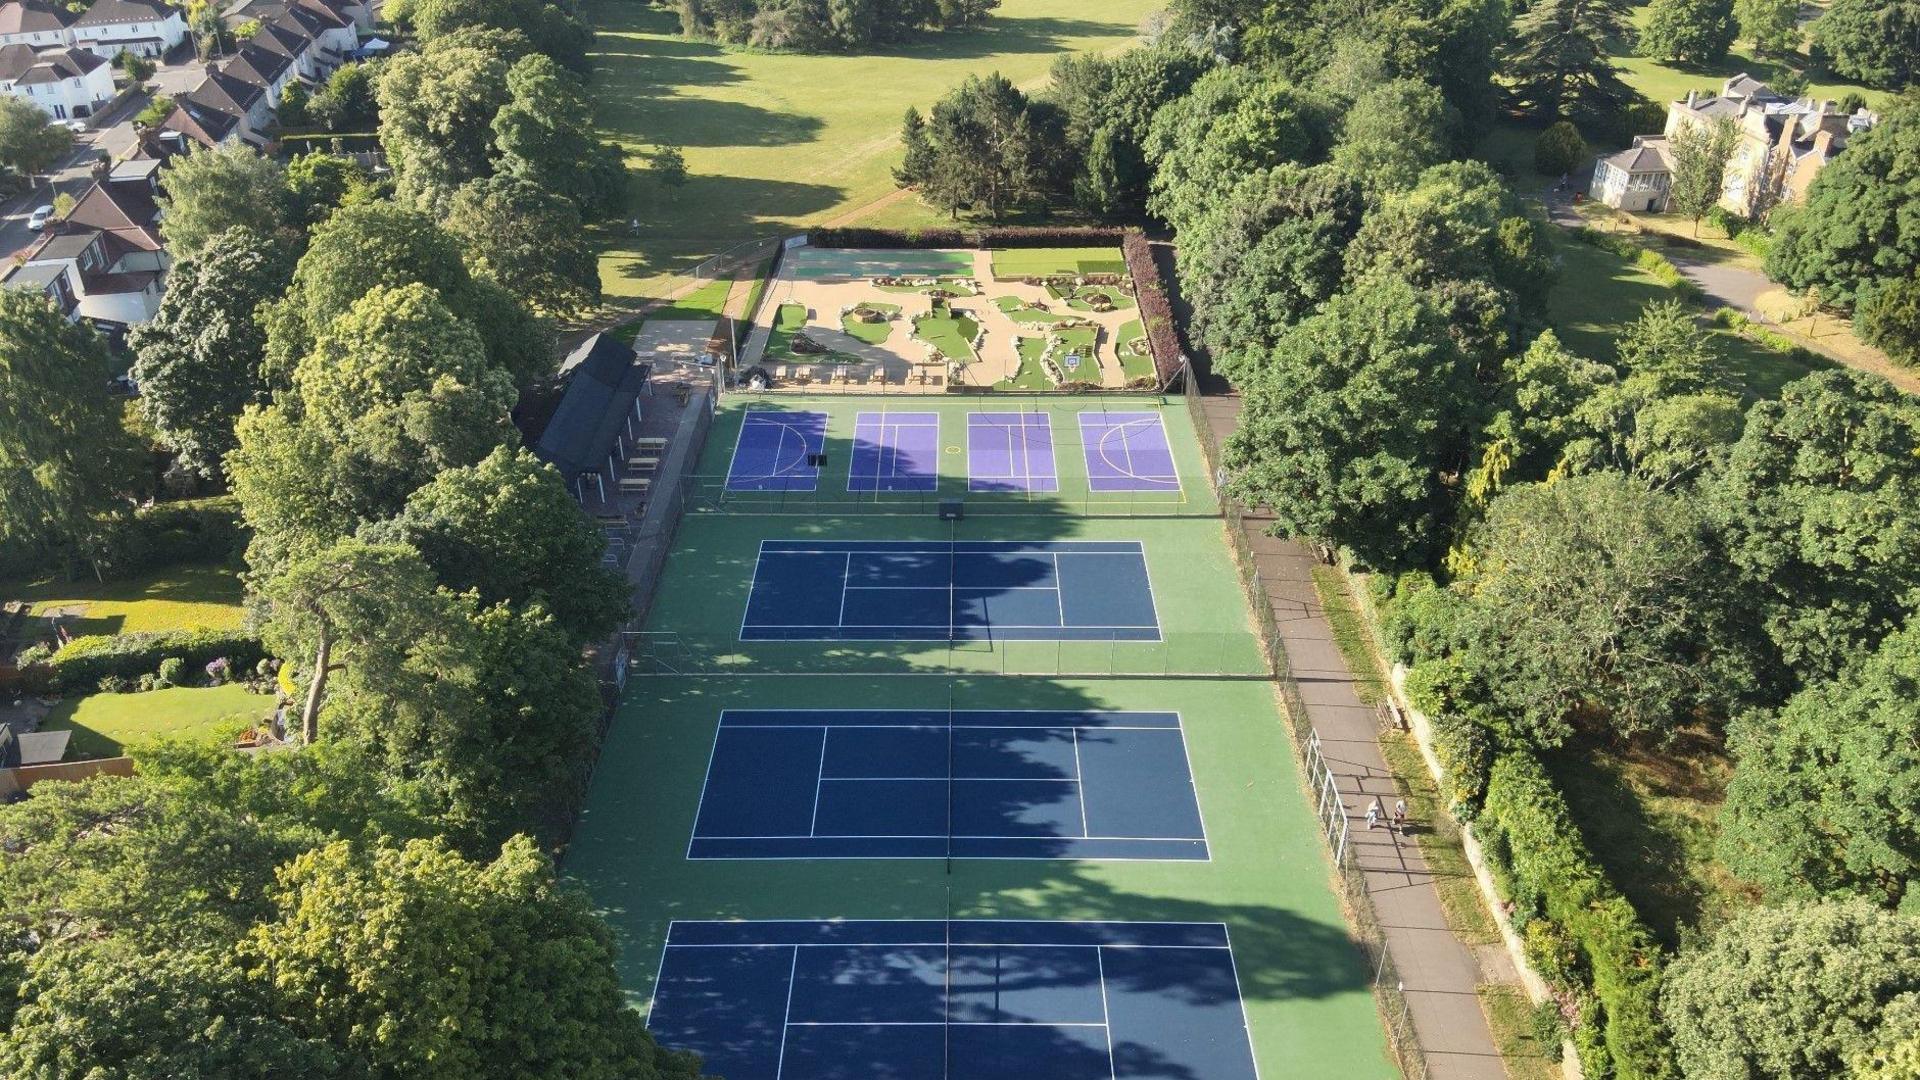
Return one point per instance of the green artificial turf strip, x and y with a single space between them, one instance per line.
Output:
775 141
762 277
1045 262
952 334
709 301
107 725
1133 365
1009 304
1304 985
871 333
175 598
1032 374
1121 301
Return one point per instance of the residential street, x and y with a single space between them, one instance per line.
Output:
113 135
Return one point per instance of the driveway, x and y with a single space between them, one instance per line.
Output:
1724 284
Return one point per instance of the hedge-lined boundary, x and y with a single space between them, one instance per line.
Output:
1581 934
1011 237
84 661
1156 310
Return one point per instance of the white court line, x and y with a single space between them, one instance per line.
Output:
819 777
786 1020
1080 787
1106 1018
1246 1025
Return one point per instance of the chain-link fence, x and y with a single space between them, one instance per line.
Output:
1331 802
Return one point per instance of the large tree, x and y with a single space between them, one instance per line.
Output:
1596 598
370 244
981 149
1235 122
1772 25
1393 132
416 962
436 116
1559 60
1857 226
508 529
1874 41
198 359
1700 155
1350 420
1819 505
30 142
65 461
1689 31
529 239
207 192
1791 993
544 134
1107 104
551 28
1825 798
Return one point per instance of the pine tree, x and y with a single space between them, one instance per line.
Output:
1557 61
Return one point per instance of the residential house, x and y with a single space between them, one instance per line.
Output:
105 263
1639 178
224 107
240 12
64 82
307 40
38 23
141 27
1781 146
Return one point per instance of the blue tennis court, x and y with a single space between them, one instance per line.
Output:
1010 451
914 590
895 452
928 784
954 1000
773 450
1128 452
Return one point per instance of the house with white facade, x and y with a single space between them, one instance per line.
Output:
36 23
304 40
66 83
1639 178
104 263
141 27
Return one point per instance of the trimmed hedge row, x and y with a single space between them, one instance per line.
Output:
1010 237
1583 936
1156 309
84 661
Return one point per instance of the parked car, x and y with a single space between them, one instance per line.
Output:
78 127
38 219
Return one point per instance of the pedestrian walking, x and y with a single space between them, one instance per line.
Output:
1373 813
1400 816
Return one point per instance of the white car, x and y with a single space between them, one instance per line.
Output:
38 219
78 127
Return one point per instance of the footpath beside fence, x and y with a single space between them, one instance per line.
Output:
1426 979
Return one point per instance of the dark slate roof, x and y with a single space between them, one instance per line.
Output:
602 383
118 12
33 16
21 65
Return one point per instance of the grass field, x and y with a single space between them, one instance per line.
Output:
1134 365
1048 262
107 725
1599 294
776 141
1308 1005
178 598
1664 82
709 301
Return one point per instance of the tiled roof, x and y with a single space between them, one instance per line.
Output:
33 16
20 64
117 12
1649 157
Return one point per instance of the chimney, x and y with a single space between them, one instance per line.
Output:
1829 107
1692 97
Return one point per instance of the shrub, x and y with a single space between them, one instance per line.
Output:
172 672
1156 310
86 660
114 684
148 682
1559 150
1551 876
1465 750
